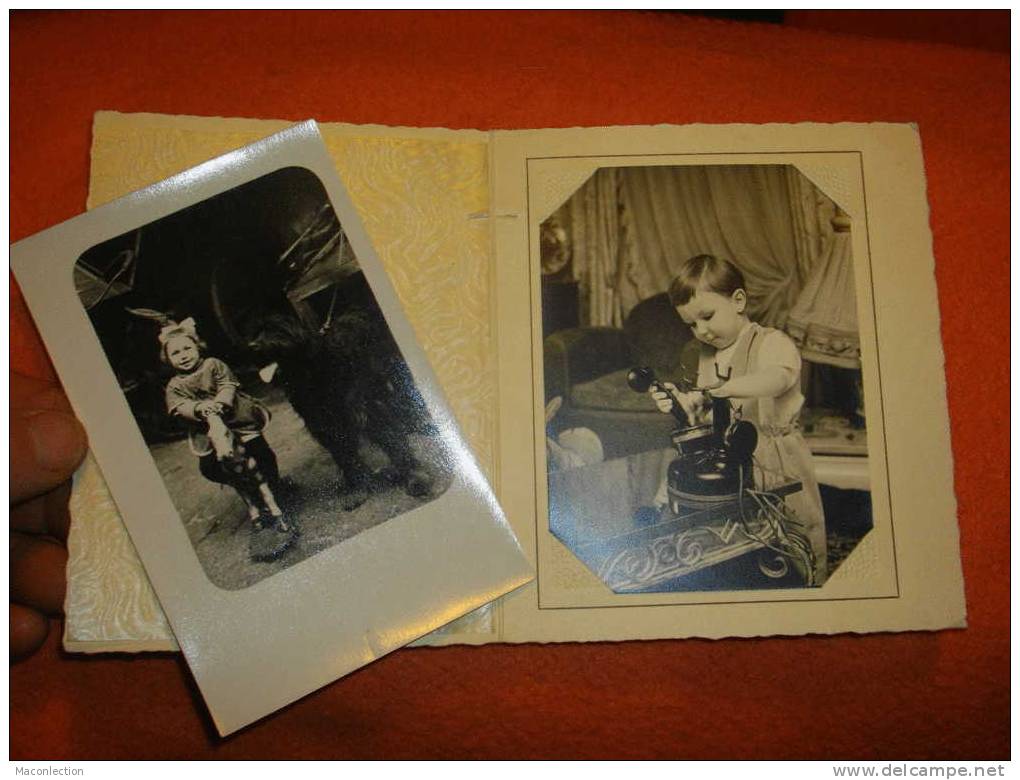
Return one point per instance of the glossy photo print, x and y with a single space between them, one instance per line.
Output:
705 419
262 375
275 440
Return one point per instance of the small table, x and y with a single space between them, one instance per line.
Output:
592 512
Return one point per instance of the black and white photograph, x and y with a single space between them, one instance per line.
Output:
706 427
263 377
267 423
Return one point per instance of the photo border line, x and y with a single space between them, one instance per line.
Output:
531 325
878 372
531 341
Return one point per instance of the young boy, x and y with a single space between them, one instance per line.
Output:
758 370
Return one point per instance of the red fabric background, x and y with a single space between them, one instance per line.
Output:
917 695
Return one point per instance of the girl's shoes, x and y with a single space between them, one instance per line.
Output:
270 538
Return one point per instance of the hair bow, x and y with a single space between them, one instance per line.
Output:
183 328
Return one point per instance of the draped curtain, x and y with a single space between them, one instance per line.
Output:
631 228
597 246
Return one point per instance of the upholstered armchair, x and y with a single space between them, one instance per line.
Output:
587 368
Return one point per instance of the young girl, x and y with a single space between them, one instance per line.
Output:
758 370
225 431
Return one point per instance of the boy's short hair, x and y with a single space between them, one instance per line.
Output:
707 273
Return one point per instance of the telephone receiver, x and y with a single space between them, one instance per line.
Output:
643 379
739 435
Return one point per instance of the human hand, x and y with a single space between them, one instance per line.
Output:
46 445
663 394
205 408
693 404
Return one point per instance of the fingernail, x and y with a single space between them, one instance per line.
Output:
58 440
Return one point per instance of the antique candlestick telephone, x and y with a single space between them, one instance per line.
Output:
714 459
713 470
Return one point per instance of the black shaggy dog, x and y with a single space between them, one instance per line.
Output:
348 380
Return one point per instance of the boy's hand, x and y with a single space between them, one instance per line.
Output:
693 404
47 444
663 396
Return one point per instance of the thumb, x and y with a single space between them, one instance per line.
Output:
47 442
